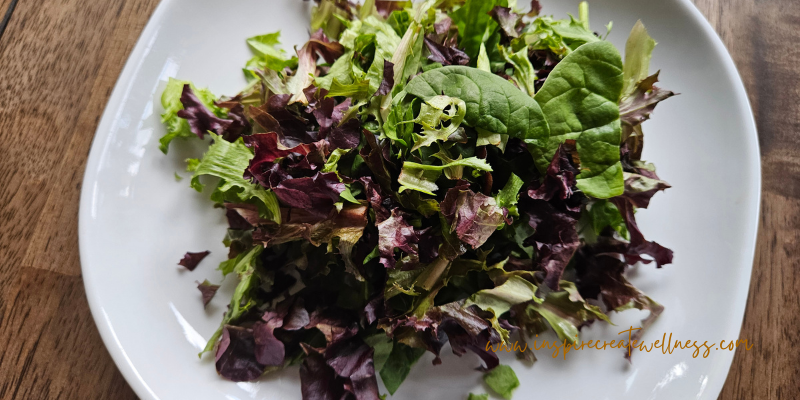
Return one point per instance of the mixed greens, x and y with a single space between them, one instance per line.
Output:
451 171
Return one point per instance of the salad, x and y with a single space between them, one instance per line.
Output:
453 172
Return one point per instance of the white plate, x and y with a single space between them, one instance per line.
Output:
136 221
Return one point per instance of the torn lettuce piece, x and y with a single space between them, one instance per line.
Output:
227 161
267 55
440 117
422 177
241 302
502 380
178 127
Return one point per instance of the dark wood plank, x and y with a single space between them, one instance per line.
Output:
6 11
56 352
59 61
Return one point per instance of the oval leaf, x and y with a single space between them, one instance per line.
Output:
493 103
580 99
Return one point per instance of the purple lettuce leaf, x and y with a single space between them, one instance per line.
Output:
316 194
600 275
555 238
346 136
379 203
473 217
445 55
300 224
241 216
428 246
200 118
352 360
637 108
318 381
288 121
396 233
190 260
267 149
373 156
207 290
639 245
536 8
324 109
269 351
324 47
559 180
466 330
334 323
235 357
507 20
297 317
388 79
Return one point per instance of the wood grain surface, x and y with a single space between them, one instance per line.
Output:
59 60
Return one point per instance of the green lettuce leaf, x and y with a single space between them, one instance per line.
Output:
245 267
267 55
638 52
382 346
228 161
509 194
433 114
422 177
566 310
499 300
524 75
603 214
475 24
178 127
502 380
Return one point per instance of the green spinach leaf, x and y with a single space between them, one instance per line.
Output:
398 365
580 99
493 103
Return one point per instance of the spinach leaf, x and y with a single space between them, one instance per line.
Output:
398 365
603 214
580 99
493 103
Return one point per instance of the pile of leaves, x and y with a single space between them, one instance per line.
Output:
419 174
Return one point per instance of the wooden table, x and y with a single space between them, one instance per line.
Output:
59 61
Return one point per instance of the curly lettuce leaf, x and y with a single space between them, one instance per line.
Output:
178 127
228 161
422 177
